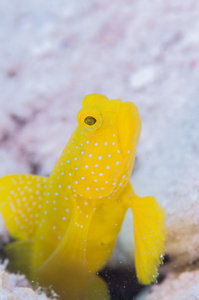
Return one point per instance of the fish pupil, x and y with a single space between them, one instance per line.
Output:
90 120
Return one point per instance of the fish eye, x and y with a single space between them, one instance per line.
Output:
90 120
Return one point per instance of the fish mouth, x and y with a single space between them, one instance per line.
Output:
129 126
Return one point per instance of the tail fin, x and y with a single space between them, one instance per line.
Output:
21 198
149 232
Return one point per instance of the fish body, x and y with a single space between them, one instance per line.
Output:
66 225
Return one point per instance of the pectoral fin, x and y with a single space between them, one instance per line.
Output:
96 289
20 256
149 233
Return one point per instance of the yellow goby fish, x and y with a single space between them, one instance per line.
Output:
66 225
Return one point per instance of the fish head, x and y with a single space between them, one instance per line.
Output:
104 144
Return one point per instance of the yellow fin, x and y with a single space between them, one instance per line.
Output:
149 233
19 254
96 289
21 198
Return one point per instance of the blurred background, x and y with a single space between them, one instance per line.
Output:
53 53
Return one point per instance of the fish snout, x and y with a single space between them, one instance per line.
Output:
129 127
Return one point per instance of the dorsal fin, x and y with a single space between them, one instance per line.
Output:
21 198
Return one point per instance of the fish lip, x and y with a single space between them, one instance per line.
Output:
129 126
